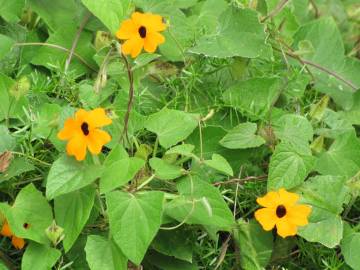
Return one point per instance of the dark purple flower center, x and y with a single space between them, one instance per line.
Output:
142 31
280 211
85 128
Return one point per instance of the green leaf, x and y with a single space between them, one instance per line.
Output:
349 247
289 166
9 107
255 244
32 208
220 164
293 129
119 168
342 158
253 97
7 141
39 257
134 221
17 167
58 15
326 195
171 126
103 253
47 120
239 34
182 149
72 211
6 44
165 170
329 53
67 175
11 10
172 243
169 263
200 203
53 58
242 136
110 12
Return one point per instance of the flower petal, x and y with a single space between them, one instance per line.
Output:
98 118
5 230
81 115
132 46
152 40
285 227
96 140
127 30
155 22
70 128
139 19
77 147
299 214
288 198
18 242
266 217
271 199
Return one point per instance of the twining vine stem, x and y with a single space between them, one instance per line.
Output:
131 98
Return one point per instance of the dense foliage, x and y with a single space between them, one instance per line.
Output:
241 98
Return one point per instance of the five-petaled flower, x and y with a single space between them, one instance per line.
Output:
281 210
84 132
141 31
17 242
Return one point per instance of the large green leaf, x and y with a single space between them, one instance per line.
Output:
134 220
289 166
66 175
239 34
242 136
294 129
110 12
32 209
255 244
72 211
200 203
39 257
6 44
253 97
172 126
174 243
342 158
119 168
326 195
328 52
163 262
102 253
59 14
53 58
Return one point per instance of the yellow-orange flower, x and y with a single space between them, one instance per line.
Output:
281 210
141 31
83 131
17 242
5 230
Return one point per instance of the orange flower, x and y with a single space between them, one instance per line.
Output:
17 242
282 211
141 31
5 230
84 132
